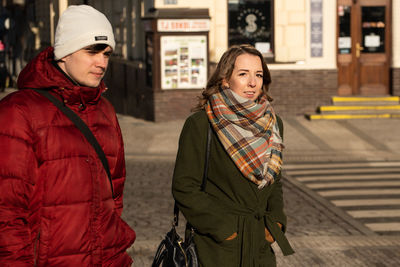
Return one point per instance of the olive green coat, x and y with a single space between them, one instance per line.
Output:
230 203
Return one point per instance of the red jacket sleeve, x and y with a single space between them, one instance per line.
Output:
119 174
18 167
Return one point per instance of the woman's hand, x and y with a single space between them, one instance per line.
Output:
233 236
268 235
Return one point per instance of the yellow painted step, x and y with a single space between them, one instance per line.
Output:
349 108
365 99
351 116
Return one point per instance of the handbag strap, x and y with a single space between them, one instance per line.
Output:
204 183
81 125
205 173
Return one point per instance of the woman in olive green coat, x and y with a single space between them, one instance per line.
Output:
240 213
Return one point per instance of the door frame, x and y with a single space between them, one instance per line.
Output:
350 65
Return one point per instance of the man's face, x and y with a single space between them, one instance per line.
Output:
86 66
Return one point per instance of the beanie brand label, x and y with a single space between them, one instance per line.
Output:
101 38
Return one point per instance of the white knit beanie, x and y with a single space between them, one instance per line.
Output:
81 26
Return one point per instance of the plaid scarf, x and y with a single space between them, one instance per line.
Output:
249 133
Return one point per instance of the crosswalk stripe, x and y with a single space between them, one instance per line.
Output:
349 177
353 184
340 165
331 193
384 227
366 202
369 192
374 213
344 171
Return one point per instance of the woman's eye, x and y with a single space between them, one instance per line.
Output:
259 75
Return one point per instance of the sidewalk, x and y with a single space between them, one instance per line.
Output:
320 141
318 240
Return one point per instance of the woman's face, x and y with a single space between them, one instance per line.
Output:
247 77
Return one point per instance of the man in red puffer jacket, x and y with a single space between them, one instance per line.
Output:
56 201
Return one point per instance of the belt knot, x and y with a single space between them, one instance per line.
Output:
258 215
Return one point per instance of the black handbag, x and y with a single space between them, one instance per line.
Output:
173 251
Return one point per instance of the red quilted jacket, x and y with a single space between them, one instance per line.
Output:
56 204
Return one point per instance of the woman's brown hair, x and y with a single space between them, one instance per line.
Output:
224 71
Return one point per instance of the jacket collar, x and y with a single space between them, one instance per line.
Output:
43 73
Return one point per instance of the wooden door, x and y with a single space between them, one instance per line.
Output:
364 39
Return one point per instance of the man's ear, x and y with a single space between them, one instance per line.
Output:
64 58
61 63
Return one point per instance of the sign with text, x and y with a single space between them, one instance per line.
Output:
183 25
316 28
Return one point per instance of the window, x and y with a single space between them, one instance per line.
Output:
373 29
344 41
170 2
251 22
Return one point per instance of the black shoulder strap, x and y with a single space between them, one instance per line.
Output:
81 125
280 125
205 173
204 183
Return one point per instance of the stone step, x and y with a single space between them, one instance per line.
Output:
349 116
365 100
359 109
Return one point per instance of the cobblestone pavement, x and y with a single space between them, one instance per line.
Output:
319 236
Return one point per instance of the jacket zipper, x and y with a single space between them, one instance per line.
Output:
35 248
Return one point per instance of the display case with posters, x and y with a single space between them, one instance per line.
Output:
183 62
176 58
182 42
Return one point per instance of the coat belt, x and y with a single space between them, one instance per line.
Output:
249 219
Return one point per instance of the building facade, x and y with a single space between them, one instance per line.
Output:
315 49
